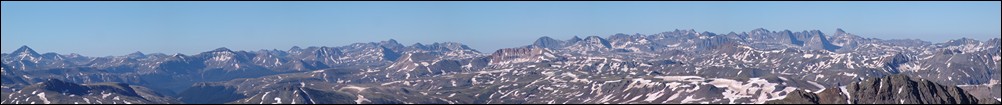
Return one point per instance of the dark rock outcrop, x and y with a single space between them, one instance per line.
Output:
893 89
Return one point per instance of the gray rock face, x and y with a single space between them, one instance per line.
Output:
893 89
547 42
519 55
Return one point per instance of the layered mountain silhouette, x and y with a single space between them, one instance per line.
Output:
679 66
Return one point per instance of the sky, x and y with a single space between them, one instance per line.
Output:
121 27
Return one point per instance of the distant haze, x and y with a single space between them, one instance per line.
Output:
119 28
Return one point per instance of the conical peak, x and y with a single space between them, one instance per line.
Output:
24 47
25 50
392 41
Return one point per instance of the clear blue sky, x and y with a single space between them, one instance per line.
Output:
119 28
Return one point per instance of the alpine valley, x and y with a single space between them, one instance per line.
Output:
675 67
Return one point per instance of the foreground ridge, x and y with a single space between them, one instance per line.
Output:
893 89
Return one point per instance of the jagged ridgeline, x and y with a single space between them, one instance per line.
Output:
894 89
680 66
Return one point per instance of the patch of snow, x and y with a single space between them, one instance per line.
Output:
572 75
632 99
736 90
319 71
681 78
913 67
361 99
654 96
493 71
307 96
105 96
548 73
355 87
390 83
576 79
265 95
992 83
277 100
547 88
606 98
690 100
45 100
673 96
613 81
849 74
881 83
817 85
845 92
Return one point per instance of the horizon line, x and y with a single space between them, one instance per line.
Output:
475 49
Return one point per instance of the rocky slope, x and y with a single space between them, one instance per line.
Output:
893 89
54 91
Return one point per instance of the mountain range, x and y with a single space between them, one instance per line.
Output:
680 66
